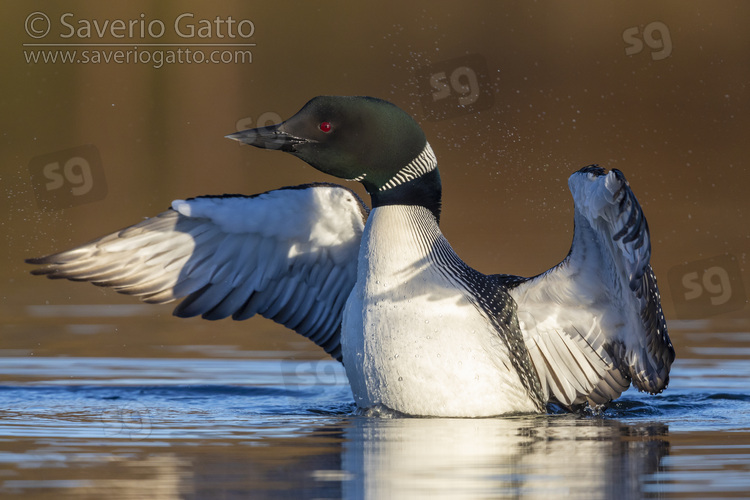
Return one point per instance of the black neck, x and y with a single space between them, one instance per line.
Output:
425 191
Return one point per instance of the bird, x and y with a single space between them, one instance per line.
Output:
380 289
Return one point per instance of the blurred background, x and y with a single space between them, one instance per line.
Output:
109 111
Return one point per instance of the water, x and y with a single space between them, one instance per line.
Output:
96 427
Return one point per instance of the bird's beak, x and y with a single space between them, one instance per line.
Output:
271 137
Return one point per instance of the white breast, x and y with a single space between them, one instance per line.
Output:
412 338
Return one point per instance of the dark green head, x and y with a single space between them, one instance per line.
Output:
356 138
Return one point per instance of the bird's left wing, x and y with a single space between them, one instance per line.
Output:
289 255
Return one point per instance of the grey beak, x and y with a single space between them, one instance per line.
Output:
271 137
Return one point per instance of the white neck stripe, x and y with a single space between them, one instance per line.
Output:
425 162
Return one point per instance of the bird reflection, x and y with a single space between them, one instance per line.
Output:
523 457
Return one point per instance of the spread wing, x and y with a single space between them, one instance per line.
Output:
594 323
289 255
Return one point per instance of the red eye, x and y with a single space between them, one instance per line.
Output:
325 127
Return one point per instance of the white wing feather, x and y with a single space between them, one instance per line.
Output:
594 322
288 254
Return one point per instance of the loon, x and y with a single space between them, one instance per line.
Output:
381 290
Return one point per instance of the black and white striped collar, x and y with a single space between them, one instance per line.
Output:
425 162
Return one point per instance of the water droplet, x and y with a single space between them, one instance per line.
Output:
400 379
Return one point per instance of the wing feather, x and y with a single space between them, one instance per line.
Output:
289 255
594 323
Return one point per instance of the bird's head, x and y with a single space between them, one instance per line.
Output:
356 138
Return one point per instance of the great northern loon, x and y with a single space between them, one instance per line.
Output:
418 330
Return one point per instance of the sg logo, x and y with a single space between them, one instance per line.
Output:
455 87
132 420
68 178
707 287
463 80
76 171
662 44
305 374
265 119
715 283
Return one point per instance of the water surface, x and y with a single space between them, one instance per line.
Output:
264 427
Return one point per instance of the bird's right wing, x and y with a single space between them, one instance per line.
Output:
289 255
594 322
